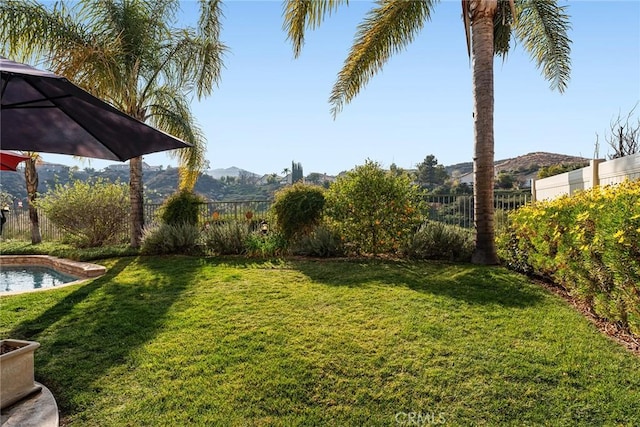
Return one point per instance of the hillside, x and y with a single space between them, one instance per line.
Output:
159 184
233 171
525 164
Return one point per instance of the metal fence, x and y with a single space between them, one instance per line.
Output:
458 209
450 209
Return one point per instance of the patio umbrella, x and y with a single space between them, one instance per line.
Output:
9 160
44 112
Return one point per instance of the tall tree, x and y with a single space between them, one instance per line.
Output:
32 181
127 53
430 173
540 25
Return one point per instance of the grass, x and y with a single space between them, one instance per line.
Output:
168 341
62 250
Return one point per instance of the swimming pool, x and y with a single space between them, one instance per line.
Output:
29 277
28 273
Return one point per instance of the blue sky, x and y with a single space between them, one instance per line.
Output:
271 109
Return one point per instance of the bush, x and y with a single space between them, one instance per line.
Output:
373 210
269 245
297 209
439 241
589 243
321 242
171 239
92 213
180 208
227 238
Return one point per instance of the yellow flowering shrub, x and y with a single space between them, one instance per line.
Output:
589 243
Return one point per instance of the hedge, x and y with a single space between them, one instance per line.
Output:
589 243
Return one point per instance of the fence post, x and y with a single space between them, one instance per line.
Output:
595 172
533 190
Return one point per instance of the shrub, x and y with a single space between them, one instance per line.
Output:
375 211
298 208
269 245
181 207
92 213
320 242
589 243
171 239
436 240
227 238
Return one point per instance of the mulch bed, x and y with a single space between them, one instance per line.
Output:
6 347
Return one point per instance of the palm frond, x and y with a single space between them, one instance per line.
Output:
28 30
170 111
502 25
300 15
197 59
542 27
210 22
466 20
387 29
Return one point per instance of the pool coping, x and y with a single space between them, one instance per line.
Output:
81 270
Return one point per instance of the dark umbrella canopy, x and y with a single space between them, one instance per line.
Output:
44 112
9 160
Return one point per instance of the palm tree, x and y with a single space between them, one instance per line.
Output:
540 25
126 52
31 179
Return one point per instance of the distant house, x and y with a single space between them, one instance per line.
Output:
53 167
125 167
467 178
118 167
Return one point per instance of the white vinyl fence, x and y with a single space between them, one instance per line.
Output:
599 172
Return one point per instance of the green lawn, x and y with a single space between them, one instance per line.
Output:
179 341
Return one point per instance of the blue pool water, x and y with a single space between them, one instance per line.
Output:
25 278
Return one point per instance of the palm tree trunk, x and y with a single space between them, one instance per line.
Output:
482 60
136 196
31 178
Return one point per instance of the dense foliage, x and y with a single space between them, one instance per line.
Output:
374 210
181 208
227 237
298 208
589 243
437 240
547 171
91 213
182 238
322 241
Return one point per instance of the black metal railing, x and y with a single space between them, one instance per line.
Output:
450 209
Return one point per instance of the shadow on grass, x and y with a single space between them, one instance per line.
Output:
97 327
31 328
469 283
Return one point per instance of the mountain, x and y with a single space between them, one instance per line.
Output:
243 185
232 171
526 164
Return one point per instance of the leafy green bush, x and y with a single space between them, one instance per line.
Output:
92 213
436 240
270 245
181 207
227 238
171 239
298 208
320 242
589 243
373 210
